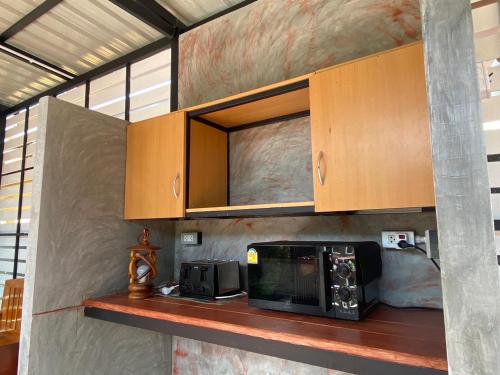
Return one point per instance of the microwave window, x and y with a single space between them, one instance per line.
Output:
289 275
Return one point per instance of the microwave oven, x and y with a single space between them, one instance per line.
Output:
333 279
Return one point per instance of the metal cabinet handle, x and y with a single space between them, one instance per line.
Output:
318 168
174 186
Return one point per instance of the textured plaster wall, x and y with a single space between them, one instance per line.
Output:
263 43
201 358
273 40
78 249
470 281
271 164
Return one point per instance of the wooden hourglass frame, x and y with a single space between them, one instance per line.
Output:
141 286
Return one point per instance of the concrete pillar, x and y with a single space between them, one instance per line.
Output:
470 276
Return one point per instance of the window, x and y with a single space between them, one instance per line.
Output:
75 95
150 87
107 94
15 180
150 82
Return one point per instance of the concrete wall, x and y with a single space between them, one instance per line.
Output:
200 358
263 43
77 249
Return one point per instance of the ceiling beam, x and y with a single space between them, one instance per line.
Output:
29 18
109 67
165 14
221 13
27 57
35 61
153 14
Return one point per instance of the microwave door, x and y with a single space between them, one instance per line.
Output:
325 282
286 275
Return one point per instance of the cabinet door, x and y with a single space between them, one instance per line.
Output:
370 131
155 179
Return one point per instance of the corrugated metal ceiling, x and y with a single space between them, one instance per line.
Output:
192 11
77 36
20 81
13 11
81 35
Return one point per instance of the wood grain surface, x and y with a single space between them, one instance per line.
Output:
155 167
409 337
370 134
248 93
264 109
11 310
207 166
9 351
252 207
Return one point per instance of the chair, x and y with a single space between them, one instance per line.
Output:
10 314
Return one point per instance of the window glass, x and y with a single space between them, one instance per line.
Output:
150 87
13 147
75 95
107 94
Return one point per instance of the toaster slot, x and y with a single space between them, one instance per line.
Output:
203 273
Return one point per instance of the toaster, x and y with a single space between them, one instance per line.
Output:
209 278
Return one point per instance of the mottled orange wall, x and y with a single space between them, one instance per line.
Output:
272 40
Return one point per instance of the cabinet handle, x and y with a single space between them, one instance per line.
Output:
318 168
174 186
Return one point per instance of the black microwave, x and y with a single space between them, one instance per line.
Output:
333 279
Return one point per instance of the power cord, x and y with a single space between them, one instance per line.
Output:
405 245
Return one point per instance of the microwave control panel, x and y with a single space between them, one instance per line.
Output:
344 286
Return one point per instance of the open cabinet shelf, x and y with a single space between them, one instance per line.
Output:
279 99
253 210
211 184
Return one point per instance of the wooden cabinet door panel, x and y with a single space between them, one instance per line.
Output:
156 167
370 134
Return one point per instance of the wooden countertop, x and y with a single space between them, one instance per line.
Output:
411 338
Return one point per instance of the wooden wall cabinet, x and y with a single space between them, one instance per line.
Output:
370 136
155 171
370 142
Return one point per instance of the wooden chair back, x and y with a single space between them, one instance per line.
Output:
10 318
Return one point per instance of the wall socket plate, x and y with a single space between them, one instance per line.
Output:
191 238
390 239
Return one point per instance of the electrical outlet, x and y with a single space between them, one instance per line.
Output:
191 238
390 239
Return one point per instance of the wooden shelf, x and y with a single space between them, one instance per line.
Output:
285 99
253 210
246 94
389 341
274 107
